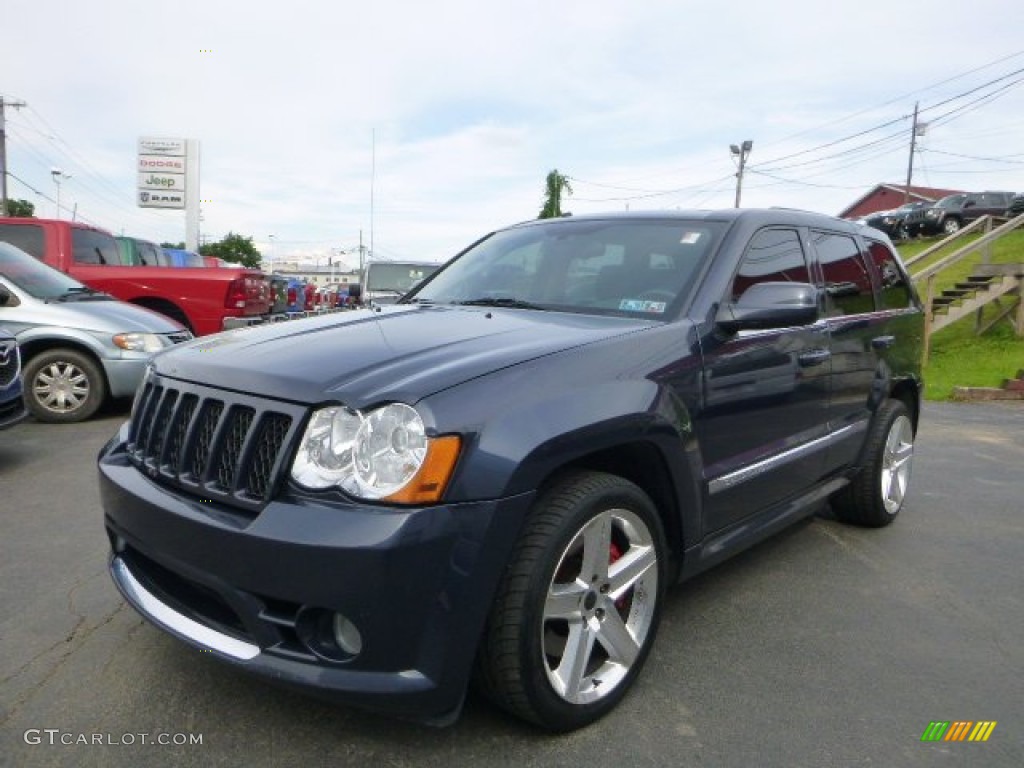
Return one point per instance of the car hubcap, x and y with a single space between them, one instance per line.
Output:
899 453
600 606
61 387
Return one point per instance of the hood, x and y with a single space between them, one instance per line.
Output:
402 352
90 314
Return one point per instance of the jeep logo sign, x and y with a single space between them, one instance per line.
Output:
161 181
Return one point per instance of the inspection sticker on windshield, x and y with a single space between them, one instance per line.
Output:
638 305
689 238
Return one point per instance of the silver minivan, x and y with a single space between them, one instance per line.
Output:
78 346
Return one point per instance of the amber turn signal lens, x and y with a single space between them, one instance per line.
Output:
427 486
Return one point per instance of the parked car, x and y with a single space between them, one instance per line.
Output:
893 223
12 403
499 476
203 300
137 252
78 346
954 211
278 285
178 257
385 282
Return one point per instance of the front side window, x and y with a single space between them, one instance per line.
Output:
848 287
612 267
27 237
91 247
773 256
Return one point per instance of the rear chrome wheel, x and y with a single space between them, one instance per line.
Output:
578 608
875 496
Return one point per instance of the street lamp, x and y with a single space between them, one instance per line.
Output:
58 175
270 256
742 152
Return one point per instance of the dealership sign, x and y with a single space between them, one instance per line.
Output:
162 172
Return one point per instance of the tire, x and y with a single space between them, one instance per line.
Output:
902 233
63 386
875 496
951 225
559 594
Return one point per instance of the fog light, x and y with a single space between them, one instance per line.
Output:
347 636
329 635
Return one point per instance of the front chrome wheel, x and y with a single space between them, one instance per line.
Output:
577 609
61 387
599 606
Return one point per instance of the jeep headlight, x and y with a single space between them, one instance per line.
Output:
382 454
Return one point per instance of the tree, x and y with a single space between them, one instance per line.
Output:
178 246
554 184
234 248
20 208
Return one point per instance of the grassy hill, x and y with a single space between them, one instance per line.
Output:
959 358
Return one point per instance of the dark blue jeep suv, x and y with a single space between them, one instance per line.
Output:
496 479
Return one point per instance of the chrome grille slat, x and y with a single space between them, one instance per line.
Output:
212 444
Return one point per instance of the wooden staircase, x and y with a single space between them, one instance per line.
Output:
1002 284
968 297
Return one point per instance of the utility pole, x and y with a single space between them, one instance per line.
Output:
910 161
742 152
3 152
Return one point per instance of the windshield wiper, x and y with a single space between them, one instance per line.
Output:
80 292
500 301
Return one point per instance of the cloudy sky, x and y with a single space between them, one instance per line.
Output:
425 125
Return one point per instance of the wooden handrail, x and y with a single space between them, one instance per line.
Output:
976 224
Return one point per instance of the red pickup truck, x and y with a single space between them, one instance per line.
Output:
204 300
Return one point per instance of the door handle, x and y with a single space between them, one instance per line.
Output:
814 357
883 342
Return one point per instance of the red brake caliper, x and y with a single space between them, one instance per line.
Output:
614 553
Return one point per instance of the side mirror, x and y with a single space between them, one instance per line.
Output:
770 305
5 296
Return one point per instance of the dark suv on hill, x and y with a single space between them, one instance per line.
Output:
498 477
953 212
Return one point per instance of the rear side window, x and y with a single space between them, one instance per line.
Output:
847 281
773 256
895 293
28 237
94 247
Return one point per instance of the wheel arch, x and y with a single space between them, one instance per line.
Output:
647 463
908 392
165 307
31 346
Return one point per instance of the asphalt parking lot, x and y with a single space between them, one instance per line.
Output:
826 646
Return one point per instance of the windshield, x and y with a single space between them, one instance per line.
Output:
396 276
953 201
635 267
34 277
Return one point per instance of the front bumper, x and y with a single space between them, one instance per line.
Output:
252 589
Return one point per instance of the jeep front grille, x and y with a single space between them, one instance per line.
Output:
214 444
